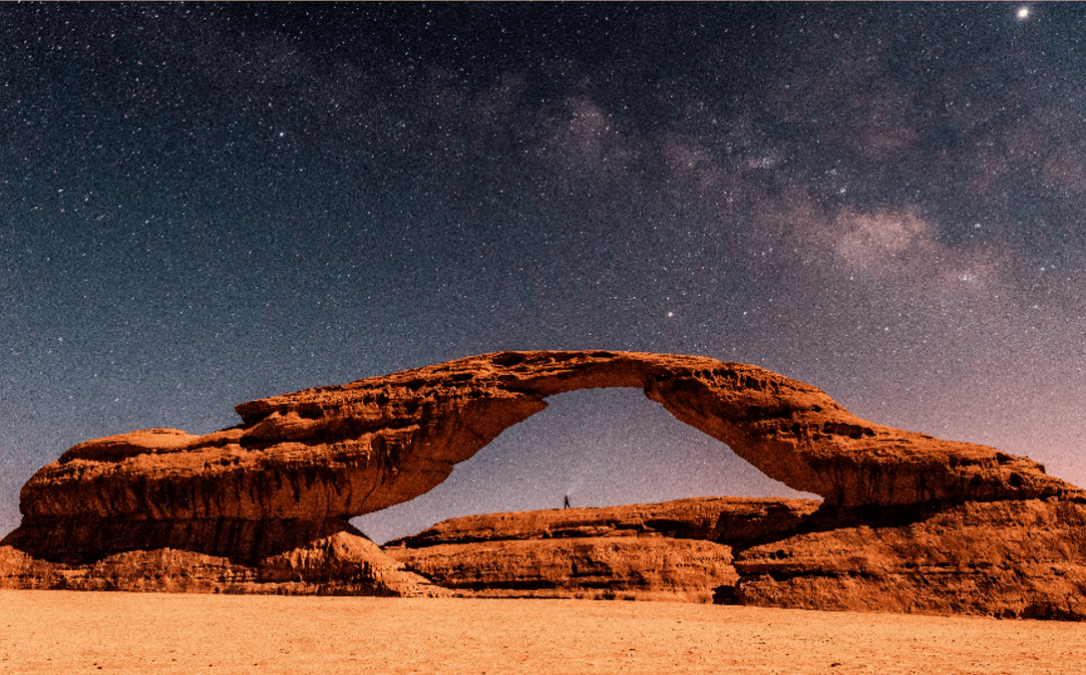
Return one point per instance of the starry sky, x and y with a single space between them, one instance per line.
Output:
205 204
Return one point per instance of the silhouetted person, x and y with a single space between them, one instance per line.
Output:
565 505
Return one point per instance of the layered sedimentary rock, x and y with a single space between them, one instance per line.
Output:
735 521
342 564
628 568
679 550
301 464
1022 559
1013 559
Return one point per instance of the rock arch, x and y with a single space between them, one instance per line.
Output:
301 464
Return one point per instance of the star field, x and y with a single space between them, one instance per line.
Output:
205 204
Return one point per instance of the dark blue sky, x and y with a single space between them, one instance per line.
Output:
206 204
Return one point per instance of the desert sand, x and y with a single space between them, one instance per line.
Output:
72 632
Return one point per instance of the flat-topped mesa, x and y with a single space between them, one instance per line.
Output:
320 456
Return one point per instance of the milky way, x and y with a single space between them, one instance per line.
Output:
205 204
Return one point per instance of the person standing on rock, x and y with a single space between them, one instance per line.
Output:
565 504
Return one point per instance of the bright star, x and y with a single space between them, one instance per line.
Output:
1023 13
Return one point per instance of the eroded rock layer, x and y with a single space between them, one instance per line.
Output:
679 550
734 521
1021 559
342 564
80 541
1011 559
628 568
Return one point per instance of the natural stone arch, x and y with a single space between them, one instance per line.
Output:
301 464
596 447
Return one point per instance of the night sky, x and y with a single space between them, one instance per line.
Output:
206 204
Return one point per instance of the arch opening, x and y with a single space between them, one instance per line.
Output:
601 447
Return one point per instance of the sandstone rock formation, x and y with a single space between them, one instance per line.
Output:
679 550
342 564
258 502
301 464
1013 558
735 521
627 568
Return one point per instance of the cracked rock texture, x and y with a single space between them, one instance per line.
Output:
627 568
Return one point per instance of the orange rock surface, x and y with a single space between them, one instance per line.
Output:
678 550
623 568
1011 559
907 521
314 458
735 521
342 564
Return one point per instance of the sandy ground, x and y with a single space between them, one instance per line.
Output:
70 632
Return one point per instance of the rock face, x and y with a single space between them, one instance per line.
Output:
342 564
1011 559
735 521
908 522
301 464
678 550
1023 559
627 568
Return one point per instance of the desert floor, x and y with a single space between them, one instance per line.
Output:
72 632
